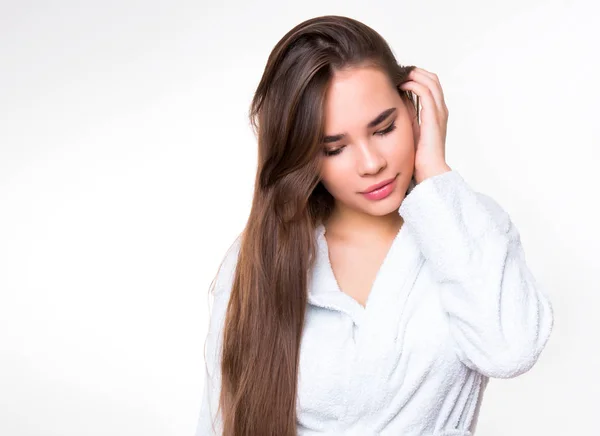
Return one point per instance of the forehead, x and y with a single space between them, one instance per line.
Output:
355 96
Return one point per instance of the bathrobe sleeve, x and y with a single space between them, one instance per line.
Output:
499 317
210 422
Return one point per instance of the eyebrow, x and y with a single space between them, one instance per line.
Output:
378 119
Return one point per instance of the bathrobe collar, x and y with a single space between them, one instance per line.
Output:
400 265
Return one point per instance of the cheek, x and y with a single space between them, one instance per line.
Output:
336 178
406 136
404 151
405 155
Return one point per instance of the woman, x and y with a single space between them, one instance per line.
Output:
372 291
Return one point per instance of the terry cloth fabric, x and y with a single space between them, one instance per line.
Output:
453 304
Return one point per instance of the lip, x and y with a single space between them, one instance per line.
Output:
379 185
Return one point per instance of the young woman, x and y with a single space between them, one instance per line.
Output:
372 291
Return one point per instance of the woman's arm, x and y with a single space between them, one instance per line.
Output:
499 317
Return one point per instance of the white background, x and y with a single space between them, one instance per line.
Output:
126 171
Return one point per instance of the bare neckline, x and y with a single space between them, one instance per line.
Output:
324 246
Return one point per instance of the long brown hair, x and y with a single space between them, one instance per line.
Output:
267 304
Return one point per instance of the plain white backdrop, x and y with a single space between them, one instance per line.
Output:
126 171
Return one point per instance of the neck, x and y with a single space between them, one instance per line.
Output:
350 225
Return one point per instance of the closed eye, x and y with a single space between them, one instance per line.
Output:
386 130
383 132
333 152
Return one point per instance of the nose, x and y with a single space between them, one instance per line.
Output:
369 159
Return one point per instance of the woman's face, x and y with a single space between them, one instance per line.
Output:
366 154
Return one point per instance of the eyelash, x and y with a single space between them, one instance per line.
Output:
383 132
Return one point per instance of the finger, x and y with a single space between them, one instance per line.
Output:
432 81
432 76
424 92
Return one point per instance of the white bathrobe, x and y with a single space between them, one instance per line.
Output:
453 304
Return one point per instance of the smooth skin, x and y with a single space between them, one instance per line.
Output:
360 232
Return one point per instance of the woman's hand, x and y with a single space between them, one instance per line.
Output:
430 135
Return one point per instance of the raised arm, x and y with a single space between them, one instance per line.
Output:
500 319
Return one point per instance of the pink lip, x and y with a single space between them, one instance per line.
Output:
383 192
378 185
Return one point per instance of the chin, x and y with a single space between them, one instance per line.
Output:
388 205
